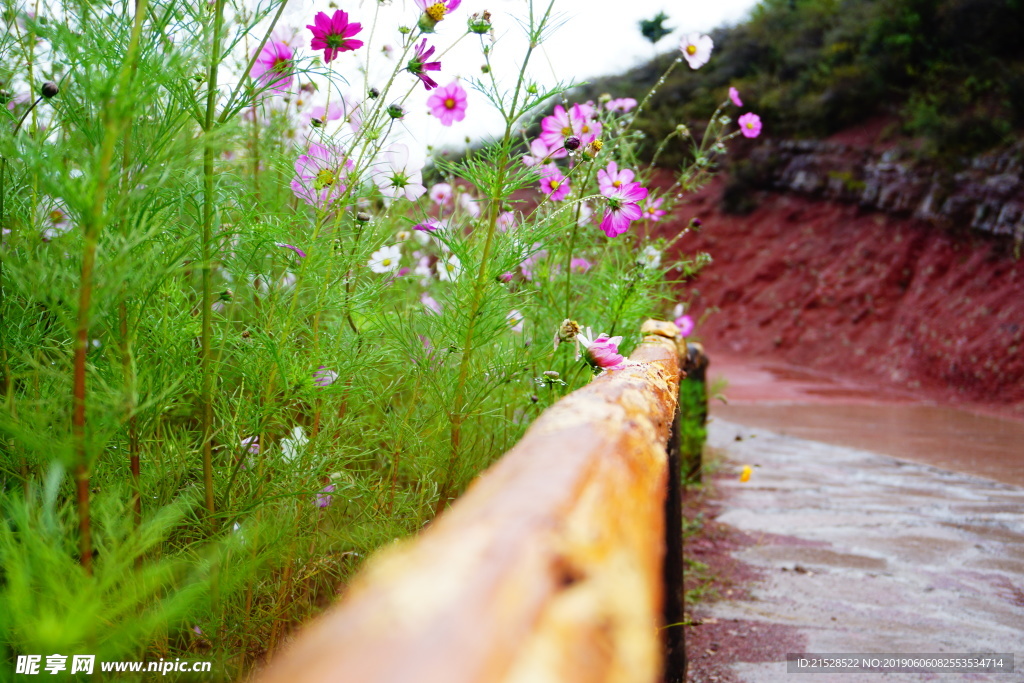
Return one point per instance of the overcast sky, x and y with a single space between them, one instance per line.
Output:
596 37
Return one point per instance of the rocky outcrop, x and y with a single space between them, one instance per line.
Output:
987 195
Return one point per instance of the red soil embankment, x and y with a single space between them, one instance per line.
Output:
888 300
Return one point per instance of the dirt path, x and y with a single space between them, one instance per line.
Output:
839 550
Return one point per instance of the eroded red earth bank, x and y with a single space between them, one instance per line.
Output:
897 302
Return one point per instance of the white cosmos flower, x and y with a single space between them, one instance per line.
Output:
397 176
387 259
403 235
696 49
515 320
290 447
649 257
449 270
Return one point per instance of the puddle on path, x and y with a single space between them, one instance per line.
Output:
803 404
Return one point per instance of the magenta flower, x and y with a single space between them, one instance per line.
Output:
324 498
602 352
553 183
430 225
561 124
419 66
324 377
318 175
685 324
334 34
294 248
622 104
252 444
750 125
734 95
652 209
273 67
449 102
623 209
611 178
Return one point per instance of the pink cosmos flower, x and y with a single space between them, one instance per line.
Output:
294 248
611 178
334 111
561 124
469 204
652 209
324 498
419 66
734 95
506 221
318 175
431 304
540 153
685 324
324 377
449 102
750 125
441 194
334 34
602 352
623 209
252 444
580 265
273 67
696 49
622 104
553 183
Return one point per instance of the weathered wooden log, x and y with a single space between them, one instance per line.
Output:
549 568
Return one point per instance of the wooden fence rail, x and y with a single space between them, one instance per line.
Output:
548 569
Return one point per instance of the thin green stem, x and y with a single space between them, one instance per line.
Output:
207 265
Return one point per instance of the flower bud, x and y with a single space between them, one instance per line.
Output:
50 89
395 111
363 217
374 93
593 148
480 23
572 143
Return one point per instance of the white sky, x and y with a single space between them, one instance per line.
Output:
598 37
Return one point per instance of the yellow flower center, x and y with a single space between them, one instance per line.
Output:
436 11
586 128
691 50
750 124
449 103
386 262
567 131
617 183
324 178
554 185
56 216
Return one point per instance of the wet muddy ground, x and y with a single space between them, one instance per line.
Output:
812 405
837 549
